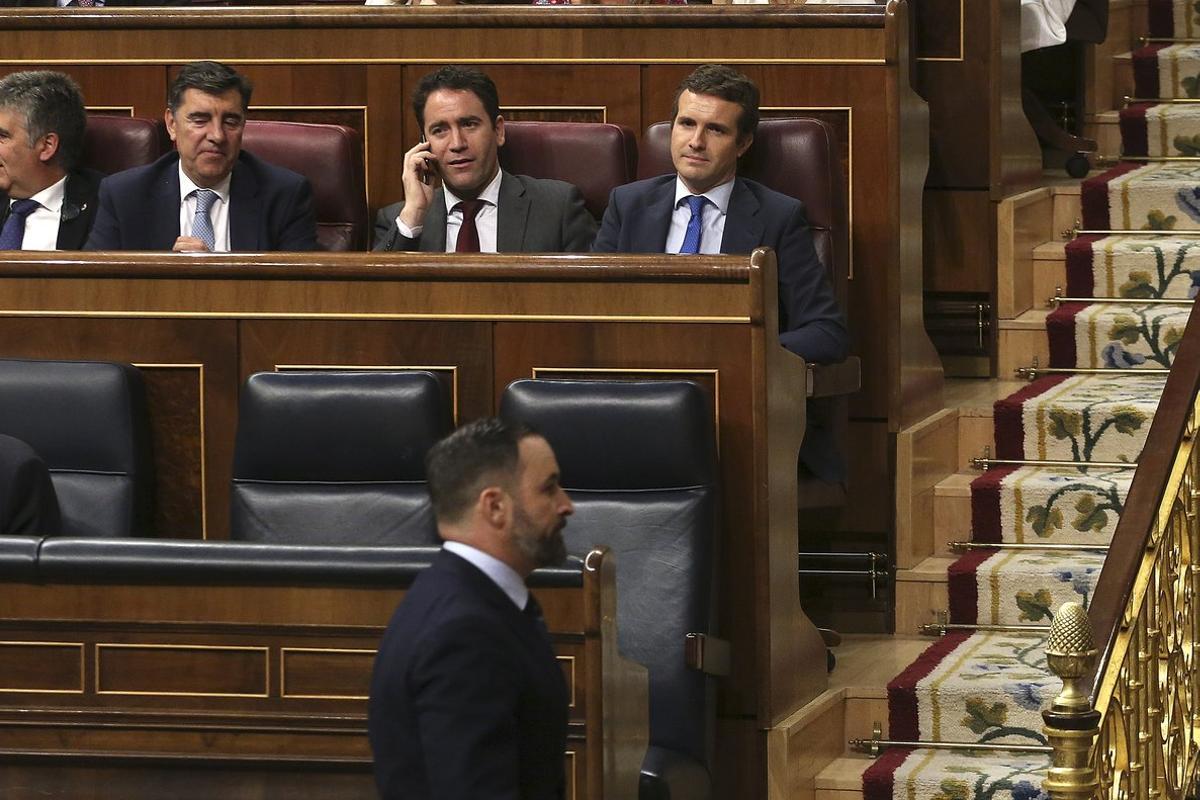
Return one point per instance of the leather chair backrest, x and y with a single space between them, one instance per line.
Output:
637 458
331 157
113 144
595 156
88 422
329 458
796 156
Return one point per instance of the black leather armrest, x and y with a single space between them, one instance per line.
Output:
844 377
165 561
671 775
708 654
567 574
18 557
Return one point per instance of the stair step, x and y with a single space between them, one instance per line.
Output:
1021 340
920 593
842 779
1049 272
952 511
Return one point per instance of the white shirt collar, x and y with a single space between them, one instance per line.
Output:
501 574
51 198
490 193
186 186
718 195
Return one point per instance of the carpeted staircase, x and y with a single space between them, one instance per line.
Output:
990 686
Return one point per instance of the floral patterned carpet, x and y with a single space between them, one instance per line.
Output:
989 687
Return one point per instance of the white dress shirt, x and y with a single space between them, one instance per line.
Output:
41 226
485 221
712 218
219 213
500 573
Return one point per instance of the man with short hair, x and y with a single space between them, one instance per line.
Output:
47 202
479 207
467 699
705 208
209 195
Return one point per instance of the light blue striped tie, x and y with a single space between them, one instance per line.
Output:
202 227
691 238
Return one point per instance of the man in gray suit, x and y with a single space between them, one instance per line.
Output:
479 207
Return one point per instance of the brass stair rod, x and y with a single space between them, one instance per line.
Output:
1124 301
988 463
875 745
959 546
1162 100
940 628
1127 232
1033 372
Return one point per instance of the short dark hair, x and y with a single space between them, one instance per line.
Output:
51 103
469 79
479 453
210 77
726 83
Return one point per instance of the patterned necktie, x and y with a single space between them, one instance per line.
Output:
14 227
202 227
468 234
691 239
85 3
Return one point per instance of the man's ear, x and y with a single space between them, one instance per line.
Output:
743 146
48 147
493 506
499 126
169 119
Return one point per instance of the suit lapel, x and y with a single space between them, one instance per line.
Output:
433 235
245 212
164 214
653 227
512 215
743 228
72 224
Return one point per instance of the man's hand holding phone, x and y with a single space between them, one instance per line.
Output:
420 173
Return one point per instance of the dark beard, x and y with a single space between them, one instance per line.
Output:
543 551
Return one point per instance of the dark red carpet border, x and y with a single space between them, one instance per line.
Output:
1081 274
1093 197
985 505
1134 136
1145 70
1060 330
879 781
902 689
1162 18
1010 434
963 588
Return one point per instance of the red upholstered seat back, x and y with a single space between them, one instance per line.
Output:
796 156
112 144
331 157
595 156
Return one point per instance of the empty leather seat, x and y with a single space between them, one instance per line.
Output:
595 156
331 157
88 422
113 144
336 457
637 458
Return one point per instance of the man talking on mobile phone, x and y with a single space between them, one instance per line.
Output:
478 207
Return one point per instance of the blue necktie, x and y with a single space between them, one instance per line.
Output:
14 227
202 227
691 239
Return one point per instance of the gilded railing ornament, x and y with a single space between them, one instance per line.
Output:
1071 722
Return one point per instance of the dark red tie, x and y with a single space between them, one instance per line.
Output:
468 234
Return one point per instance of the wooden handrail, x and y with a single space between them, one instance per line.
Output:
1136 525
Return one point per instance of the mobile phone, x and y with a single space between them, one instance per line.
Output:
426 178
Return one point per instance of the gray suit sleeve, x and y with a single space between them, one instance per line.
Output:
387 234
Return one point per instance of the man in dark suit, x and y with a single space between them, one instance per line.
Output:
479 207
467 699
706 208
47 202
28 504
208 195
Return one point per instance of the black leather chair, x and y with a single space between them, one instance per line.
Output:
637 458
88 422
329 457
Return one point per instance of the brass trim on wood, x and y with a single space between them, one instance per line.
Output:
266 653
66 645
732 320
283 692
571 659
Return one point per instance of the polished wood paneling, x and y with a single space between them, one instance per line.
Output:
959 241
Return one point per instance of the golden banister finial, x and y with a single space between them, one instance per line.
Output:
1071 722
